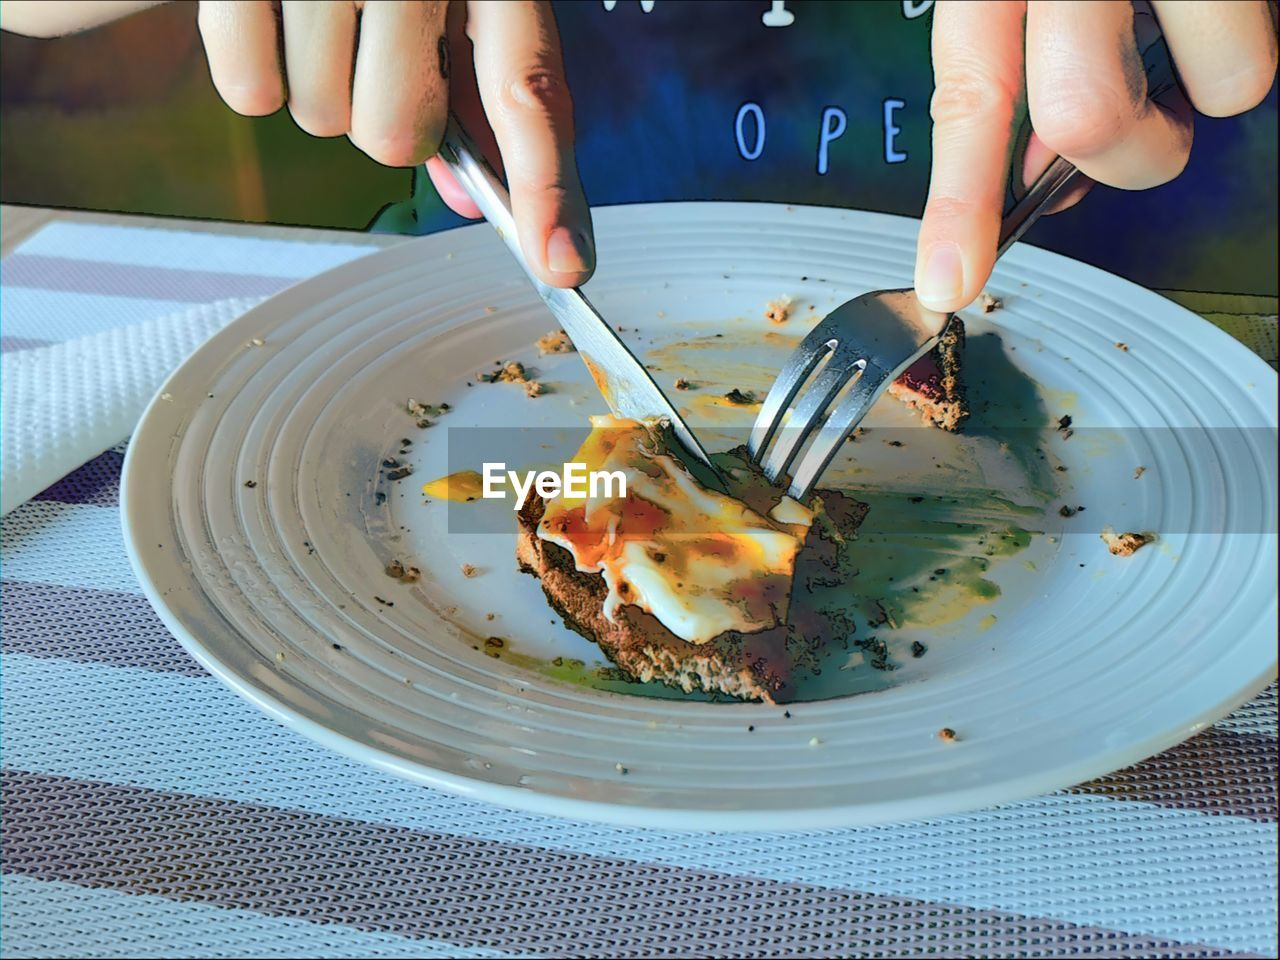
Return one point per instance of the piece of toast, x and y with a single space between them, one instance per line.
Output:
934 384
753 666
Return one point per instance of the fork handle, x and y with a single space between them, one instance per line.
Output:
1060 175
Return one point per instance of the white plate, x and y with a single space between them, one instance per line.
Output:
1084 663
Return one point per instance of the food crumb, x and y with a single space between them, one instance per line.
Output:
279 656
947 734
1066 511
621 769
815 742
395 569
534 388
1064 426
918 649
990 304
399 473
469 570
682 384
779 310
895 443
251 484
490 616
1125 544
1139 472
1121 345
557 341
741 398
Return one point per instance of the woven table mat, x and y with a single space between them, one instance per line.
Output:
150 812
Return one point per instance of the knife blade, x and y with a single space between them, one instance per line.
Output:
622 379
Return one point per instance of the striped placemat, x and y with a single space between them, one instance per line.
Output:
149 811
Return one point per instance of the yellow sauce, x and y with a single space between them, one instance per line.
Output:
460 487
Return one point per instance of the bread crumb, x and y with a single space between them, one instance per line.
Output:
741 398
470 570
513 371
779 310
1121 345
682 384
279 656
990 304
621 769
947 734
815 742
1125 544
490 616
395 569
557 341
1139 472
1064 426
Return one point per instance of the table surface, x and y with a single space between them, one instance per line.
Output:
151 812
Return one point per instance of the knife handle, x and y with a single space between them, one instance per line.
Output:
486 189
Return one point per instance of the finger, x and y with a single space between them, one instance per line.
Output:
977 59
1035 160
242 43
1225 52
399 98
1087 94
451 192
319 53
526 99
464 101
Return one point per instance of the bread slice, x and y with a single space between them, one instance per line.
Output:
752 666
934 384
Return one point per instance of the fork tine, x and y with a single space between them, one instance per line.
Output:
871 382
819 342
808 411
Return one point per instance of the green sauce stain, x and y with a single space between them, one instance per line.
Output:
924 562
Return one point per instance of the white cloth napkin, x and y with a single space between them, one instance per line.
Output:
64 404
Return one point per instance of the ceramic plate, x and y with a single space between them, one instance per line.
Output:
261 515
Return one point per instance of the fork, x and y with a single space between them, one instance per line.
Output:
867 342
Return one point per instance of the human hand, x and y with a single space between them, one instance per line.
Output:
386 74
1074 67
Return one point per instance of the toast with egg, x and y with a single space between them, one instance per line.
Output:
689 587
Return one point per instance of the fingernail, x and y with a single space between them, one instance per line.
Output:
569 252
941 282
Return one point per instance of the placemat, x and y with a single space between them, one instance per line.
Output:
150 812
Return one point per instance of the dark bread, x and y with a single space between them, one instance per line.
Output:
754 666
934 384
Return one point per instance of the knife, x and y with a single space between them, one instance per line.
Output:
622 379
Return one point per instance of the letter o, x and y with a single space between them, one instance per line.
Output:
749 109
